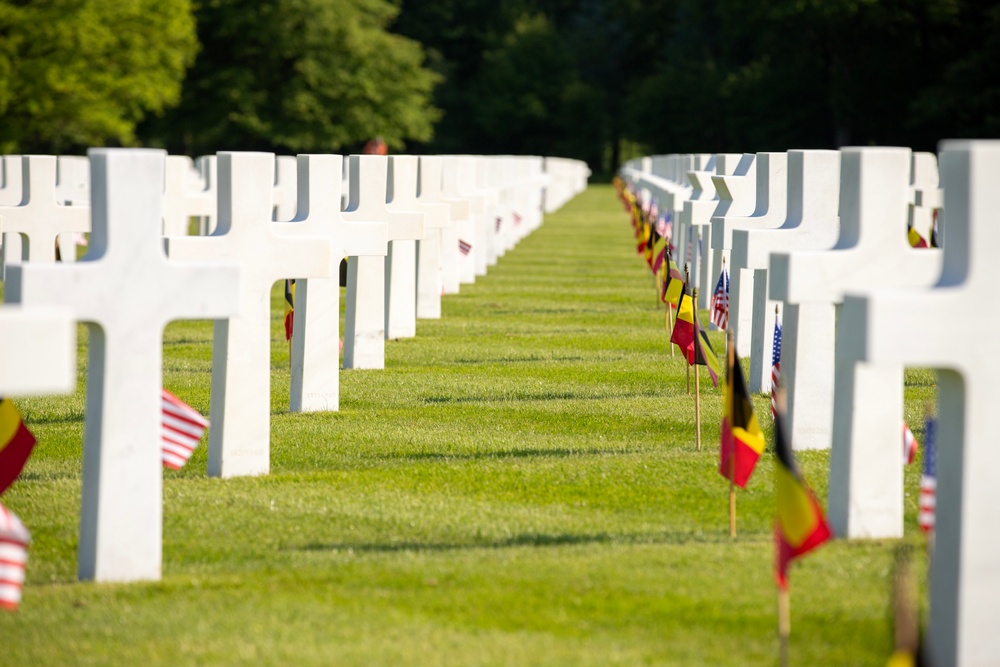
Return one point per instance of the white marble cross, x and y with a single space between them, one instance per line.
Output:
364 317
430 249
40 217
432 192
871 252
127 291
811 223
467 227
964 578
758 202
37 350
207 167
866 411
316 327
401 261
733 165
239 441
180 201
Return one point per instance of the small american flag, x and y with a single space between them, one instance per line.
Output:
910 445
183 427
775 366
720 301
499 220
516 217
464 247
928 480
14 540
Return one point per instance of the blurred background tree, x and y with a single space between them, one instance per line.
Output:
77 73
599 80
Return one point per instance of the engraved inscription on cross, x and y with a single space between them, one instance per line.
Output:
126 290
316 328
239 441
964 582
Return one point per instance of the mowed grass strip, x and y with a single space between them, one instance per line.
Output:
519 486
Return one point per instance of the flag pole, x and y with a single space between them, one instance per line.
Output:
730 360
670 328
784 625
697 392
687 279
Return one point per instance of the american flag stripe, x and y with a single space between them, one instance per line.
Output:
928 481
720 301
775 366
183 427
14 539
464 247
910 445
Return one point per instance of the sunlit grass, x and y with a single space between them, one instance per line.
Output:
519 486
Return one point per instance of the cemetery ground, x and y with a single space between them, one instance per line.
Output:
520 485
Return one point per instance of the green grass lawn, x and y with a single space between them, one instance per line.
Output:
519 486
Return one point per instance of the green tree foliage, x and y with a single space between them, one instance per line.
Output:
299 75
77 73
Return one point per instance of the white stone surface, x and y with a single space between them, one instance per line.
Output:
127 291
406 228
37 351
707 273
182 198
761 208
811 223
964 577
240 438
10 180
72 179
871 252
285 188
432 192
365 315
468 227
39 218
207 167
437 219
316 329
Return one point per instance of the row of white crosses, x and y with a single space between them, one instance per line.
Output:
838 230
126 289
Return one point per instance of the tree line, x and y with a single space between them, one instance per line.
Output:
598 80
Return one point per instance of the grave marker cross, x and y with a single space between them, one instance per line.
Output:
240 438
126 290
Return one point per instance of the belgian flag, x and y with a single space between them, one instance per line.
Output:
742 438
697 349
16 443
289 307
673 281
915 239
801 524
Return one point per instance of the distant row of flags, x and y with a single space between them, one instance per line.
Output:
800 524
182 429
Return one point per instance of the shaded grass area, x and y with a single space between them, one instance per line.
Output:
519 486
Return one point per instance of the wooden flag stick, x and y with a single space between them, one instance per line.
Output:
784 625
697 392
730 360
670 329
